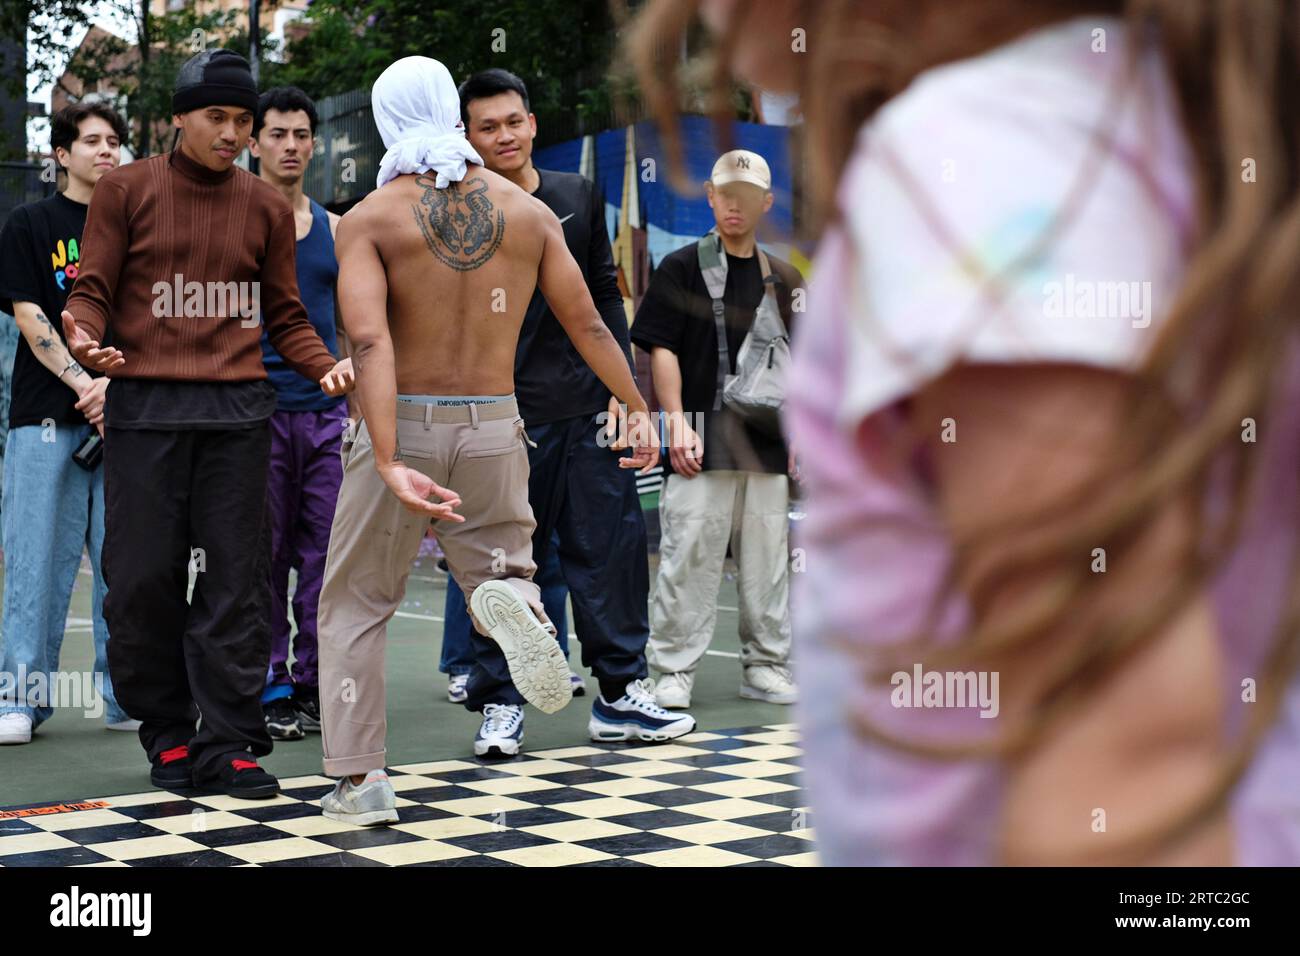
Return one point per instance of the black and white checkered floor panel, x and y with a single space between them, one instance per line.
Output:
716 798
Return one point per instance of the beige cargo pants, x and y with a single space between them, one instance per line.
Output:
698 517
478 452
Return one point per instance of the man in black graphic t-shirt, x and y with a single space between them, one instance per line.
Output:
53 508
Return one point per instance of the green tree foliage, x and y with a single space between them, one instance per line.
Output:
143 74
561 48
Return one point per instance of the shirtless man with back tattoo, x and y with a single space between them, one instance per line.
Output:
436 270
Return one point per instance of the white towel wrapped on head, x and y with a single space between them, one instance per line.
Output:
417 110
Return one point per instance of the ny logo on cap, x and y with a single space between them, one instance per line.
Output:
742 162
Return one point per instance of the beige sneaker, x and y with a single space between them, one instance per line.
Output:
537 666
771 683
673 691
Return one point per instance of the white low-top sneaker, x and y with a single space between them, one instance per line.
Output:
635 715
673 691
501 732
771 683
366 804
15 729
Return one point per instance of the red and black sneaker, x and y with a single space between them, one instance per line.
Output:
170 770
243 778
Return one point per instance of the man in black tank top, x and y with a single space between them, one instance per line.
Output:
307 428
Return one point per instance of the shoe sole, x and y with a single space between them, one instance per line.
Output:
282 734
537 665
309 726
161 784
612 733
368 819
497 751
264 792
752 693
680 705
15 739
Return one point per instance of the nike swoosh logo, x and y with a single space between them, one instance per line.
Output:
566 218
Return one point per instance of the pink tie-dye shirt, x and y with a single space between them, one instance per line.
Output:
979 156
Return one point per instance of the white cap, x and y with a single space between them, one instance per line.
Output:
741 166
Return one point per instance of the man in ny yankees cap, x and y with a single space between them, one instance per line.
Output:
727 481
185 258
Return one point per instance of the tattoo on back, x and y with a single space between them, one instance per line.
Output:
458 222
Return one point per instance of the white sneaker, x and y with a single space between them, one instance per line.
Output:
537 665
365 804
458 688
502 731
129 726
770 683
636 716
15 729
673 691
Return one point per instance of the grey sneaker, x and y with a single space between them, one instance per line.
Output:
771 683
371 802
537 665
673 691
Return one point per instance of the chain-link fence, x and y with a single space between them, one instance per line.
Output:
348 150
21 183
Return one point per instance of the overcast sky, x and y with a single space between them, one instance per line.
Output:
38 130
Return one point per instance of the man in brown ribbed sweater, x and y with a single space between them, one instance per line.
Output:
181 252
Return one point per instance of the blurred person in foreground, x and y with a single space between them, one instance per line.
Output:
1048 406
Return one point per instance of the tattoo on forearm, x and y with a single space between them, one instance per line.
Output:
458 222
46 342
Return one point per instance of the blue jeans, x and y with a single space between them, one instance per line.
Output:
52 509
458 655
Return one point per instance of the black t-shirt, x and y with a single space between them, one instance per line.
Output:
677 314
156 404
40 249
552 381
